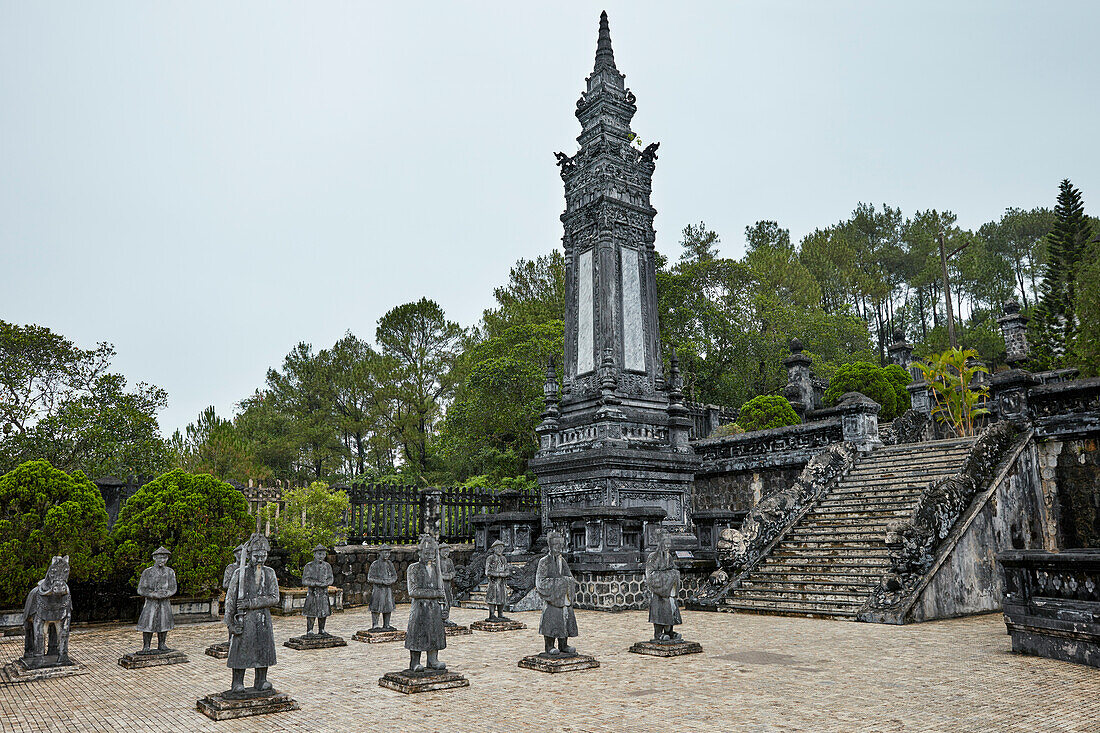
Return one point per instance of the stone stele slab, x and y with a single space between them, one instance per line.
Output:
219 651
426 681
17 671
495 625
314 642
378 637
666 648
243 705
558 663
152 658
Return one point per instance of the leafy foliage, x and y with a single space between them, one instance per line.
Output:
766 412
957 403
884 385
310 516
730 428
196 516
45 512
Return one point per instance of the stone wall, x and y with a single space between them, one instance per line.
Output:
626 590
1070 471
741 490
351 562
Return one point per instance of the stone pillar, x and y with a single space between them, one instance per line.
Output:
548 429
800 387
1009 393
679 418
859 421
431 502
1014 330
901 353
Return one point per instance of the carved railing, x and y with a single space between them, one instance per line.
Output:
739 551
1065 407
705 418
915 543
814 436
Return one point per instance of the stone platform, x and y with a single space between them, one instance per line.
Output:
554 663
18 671
152 658
426 681
495 625
219 651
229 705
456 630
667 648
314 641
370 636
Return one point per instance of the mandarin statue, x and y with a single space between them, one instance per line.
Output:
425 632
382 574
663 580
156 585
447 572
555 584
317 577
497 570
253 590
46 618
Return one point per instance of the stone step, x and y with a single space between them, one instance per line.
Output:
776 610
895 459
854 575
945 443
872 504
877 479
891 515
876 492
821 557
908 473
810 533
860 586
791 595
764 603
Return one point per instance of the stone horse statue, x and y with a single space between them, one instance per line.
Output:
46 618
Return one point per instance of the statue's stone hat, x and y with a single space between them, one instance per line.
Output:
320 548
498 543
162 550
385 548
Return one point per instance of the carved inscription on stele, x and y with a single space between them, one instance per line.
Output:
585 330
633 330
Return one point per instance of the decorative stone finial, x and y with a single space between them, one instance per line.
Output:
899 336
605 57
1011 307
796 345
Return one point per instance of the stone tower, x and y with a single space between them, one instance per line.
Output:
616 434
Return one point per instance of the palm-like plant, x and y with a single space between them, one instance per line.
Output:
950 376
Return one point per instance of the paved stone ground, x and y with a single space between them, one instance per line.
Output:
756 673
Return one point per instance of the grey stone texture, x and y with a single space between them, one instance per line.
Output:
666 648
47 615
556 665
428 681
153 658
223 707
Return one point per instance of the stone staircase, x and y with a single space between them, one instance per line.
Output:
476 599
828 563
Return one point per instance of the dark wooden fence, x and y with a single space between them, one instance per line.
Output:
399 514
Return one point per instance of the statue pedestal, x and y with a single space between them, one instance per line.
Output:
554 663
219 651
229 705
426 681
372 636
20 671
314 641
504 624
152 658
667 648
456 630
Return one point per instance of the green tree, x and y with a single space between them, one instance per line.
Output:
303 392
45 512
766 412
698 244
1019 238
310 516
535 294
213 445
355 372
957 403
1085 350
884 385
196 516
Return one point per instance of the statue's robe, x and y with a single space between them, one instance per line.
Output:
554 582
317 577
228 574
255 645
663 581
497 570
383 575
447 571
156 585
425 632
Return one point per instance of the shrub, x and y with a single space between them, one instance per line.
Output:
765 412
730 428
957 404
310 516
196 516
45 512
885 386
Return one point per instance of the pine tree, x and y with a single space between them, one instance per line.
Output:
1056 316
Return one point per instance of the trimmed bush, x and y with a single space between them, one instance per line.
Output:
196 516
765 412
45 512
730 428
310 516
885 386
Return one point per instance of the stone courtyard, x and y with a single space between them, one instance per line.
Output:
757 673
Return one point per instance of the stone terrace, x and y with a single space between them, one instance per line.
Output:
757 673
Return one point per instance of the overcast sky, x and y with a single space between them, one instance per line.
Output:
204 184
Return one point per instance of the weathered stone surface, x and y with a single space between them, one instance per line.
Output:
554 663
456 630
220 706
154 658
494 625
316 641
666 648
18 671
378 637
218 651
426 681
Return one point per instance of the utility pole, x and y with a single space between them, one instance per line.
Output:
947 288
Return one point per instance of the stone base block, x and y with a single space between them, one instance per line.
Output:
219 651
426 681
370 636
506 624
1043 643
314 641
456 630
226 706
558 662
667 648
18 671
152 658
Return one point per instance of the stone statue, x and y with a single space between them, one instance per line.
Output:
663 580
425 630
232 567
497 570
383 575
554 582
156 585
317 577
447 572
252 591
46 618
